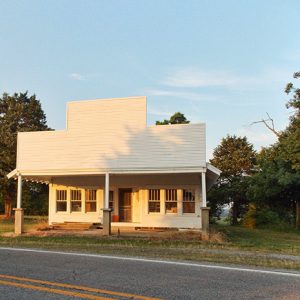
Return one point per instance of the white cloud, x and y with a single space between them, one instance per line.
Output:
77 76
197 78
192 78
181 94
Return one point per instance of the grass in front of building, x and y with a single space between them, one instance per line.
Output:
229 244
285 240
30 223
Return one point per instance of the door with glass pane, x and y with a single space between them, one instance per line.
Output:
125 199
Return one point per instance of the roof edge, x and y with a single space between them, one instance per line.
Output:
213 169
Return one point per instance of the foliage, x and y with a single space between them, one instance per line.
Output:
276 185
250 216
235 157
177 118
294 102
261 217
18 112
267 217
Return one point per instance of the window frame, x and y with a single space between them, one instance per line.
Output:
169 193
111 202
157 193
79 191
59 192
184 201
86 193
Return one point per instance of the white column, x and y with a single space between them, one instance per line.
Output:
203 177
106 191
180 202
19 193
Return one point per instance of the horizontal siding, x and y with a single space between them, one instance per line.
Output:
85 115
111 144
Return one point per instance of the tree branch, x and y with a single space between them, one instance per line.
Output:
270 127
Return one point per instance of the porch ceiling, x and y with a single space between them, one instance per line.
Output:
96 177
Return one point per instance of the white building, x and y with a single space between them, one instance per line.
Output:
107 157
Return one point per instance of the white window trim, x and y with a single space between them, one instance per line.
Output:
55 195
82 201
95 201
194 213
148 197
171 213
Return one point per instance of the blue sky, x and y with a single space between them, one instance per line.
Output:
225 63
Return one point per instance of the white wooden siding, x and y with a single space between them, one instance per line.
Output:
109 114
140 185
112 135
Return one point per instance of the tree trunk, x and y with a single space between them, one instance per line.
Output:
298 214
8 207
234 217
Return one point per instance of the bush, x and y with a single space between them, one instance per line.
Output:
262 217
267 217
250 217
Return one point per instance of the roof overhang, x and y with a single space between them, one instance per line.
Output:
45 176
213 169
71 172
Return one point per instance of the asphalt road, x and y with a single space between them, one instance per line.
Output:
46 275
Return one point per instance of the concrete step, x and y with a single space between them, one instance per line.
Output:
73 226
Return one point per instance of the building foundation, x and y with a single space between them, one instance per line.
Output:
19 221
107 221
205 222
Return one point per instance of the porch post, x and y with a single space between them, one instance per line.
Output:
19 212
204 209
106 209
203 177
106 191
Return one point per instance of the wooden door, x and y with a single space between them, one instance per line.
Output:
125 208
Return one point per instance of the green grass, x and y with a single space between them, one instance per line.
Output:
29 222
279 240
233 244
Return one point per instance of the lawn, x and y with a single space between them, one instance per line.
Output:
235 245
275 240
30 222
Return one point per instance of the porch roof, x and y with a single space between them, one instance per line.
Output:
45 176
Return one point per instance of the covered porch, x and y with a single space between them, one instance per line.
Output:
169 199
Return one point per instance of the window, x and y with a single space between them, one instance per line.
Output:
188 201
171 201
111 200
90 200
75 200
154 201
61 200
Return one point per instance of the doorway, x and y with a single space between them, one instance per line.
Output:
125 208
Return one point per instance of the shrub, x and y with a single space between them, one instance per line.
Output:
267 217
262 217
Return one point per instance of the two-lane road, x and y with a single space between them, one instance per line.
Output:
35 274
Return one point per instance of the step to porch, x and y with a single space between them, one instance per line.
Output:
73 226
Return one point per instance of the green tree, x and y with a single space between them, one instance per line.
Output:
235 157
177 118
277 183
18 112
